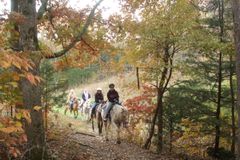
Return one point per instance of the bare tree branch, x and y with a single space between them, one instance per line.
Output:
79 36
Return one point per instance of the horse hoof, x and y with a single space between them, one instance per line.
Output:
118 142
107 139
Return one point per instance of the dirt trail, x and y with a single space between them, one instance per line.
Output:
68 142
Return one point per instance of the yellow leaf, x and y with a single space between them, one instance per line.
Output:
5 64
16 64
9 129
19 116
37 108
26 115
14 84
18 124
1 125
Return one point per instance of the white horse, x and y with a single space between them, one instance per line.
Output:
118 116
85 107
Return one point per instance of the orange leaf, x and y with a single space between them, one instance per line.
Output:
31 78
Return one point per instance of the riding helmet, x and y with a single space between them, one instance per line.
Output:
111 85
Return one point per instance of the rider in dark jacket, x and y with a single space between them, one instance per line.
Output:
99 96
98 99
113 97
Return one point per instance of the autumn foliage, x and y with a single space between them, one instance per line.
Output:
143 103
141 109
14 66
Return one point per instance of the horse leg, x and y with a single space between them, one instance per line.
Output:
81 109
106 129
92 123
118 134
100 124
75 113
65 112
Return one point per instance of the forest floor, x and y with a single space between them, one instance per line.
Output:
73 139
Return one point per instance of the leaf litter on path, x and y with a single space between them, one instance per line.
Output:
78 142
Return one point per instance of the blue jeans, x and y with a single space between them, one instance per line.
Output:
94 105
71 105
107 109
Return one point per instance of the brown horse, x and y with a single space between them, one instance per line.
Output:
75 107
118 117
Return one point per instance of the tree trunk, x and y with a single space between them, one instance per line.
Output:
219 98
233 104
161 91
236 20
151 131
170 134
31 94
217 134
159 110
138 80
160 121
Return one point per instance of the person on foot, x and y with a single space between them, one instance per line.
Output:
113 98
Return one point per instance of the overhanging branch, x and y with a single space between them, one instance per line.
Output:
79 36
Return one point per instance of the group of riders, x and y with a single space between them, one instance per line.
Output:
112 98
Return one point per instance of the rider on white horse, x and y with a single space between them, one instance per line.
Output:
113 98
85 96
98 99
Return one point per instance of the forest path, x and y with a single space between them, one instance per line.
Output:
73 139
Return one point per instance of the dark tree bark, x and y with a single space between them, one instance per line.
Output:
217 132
236 20
233 104
138 80
219 94
161 91
170 134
